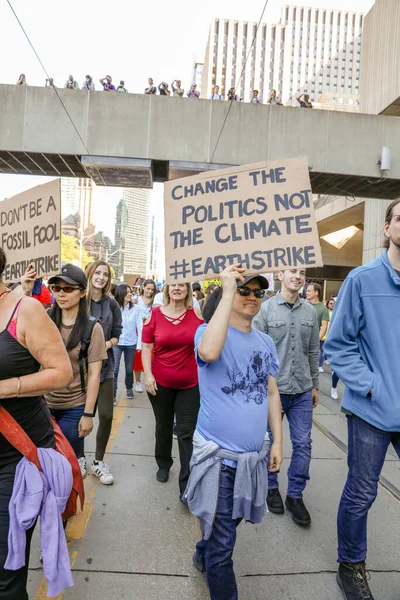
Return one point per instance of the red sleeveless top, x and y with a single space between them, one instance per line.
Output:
173 361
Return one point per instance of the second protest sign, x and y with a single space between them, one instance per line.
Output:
260 215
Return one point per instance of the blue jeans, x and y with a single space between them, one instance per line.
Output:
299 412
215 554
129 356
335 380
366 456
321 353
68 421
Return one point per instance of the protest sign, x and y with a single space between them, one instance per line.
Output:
260 215
30 231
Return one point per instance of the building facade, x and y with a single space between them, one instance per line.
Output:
77 197
380 60
310 50
132 230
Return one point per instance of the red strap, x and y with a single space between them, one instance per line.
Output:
17 437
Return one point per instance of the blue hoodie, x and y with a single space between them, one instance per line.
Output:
363 343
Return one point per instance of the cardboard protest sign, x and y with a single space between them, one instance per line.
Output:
260 215
30 231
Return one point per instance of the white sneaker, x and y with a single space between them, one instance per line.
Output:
102 471
334 393
321 369
83 467
138 387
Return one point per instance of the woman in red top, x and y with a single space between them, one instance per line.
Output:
171 376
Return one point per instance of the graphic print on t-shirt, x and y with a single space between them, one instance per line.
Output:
252 384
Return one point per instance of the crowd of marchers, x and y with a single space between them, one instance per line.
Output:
221 370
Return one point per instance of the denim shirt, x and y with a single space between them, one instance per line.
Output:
132 325
296 336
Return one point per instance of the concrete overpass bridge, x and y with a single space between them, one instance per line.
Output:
133 140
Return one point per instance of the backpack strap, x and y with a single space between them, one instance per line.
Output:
84 351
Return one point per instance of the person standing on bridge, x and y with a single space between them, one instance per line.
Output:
177 90
152 90
107 84
292 324
71 84
237 368
255 99
193 93
363 349
88 84
21 80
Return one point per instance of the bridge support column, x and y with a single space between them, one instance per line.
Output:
374 217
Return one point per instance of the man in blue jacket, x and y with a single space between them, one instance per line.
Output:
363 349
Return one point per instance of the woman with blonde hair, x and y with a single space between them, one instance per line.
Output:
108 314
171 376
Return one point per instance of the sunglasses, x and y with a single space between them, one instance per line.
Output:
67 289
246 291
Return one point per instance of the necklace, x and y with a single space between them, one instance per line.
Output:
4 293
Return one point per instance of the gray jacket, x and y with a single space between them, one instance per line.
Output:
250 488
296 336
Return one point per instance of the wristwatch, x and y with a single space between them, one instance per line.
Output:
86 414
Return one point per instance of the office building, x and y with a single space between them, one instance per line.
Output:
77 197
197 74
310 50
380 80
131 230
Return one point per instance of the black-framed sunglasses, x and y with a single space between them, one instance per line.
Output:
67 289
246 291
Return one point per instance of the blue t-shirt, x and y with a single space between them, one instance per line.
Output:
234 390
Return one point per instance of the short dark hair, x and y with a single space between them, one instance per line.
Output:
388 218
317 288
196 287
3 261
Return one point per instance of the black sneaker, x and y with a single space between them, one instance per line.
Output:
353 580
300 514
275 502
198 564
162 475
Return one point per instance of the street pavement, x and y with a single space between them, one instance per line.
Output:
135 539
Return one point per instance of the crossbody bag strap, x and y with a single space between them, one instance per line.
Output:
17 437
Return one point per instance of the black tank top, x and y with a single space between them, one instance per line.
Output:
30 412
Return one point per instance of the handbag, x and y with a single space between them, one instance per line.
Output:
18 438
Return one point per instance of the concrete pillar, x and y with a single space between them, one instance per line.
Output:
374 218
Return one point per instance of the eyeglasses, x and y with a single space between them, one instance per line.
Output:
246 291
67 289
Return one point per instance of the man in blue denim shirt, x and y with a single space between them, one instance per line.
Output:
292 324
363 349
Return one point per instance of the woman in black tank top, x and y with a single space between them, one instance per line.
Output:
29 341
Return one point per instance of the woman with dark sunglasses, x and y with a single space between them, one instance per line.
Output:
73 405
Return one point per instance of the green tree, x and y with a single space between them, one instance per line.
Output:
70 251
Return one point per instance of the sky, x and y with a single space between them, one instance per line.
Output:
127 39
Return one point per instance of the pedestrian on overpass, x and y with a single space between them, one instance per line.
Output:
292 324
237 368
363 349
107 312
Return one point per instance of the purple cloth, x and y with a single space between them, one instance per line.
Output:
41 493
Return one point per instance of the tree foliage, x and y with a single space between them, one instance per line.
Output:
70 251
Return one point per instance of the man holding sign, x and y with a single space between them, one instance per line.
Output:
238 367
